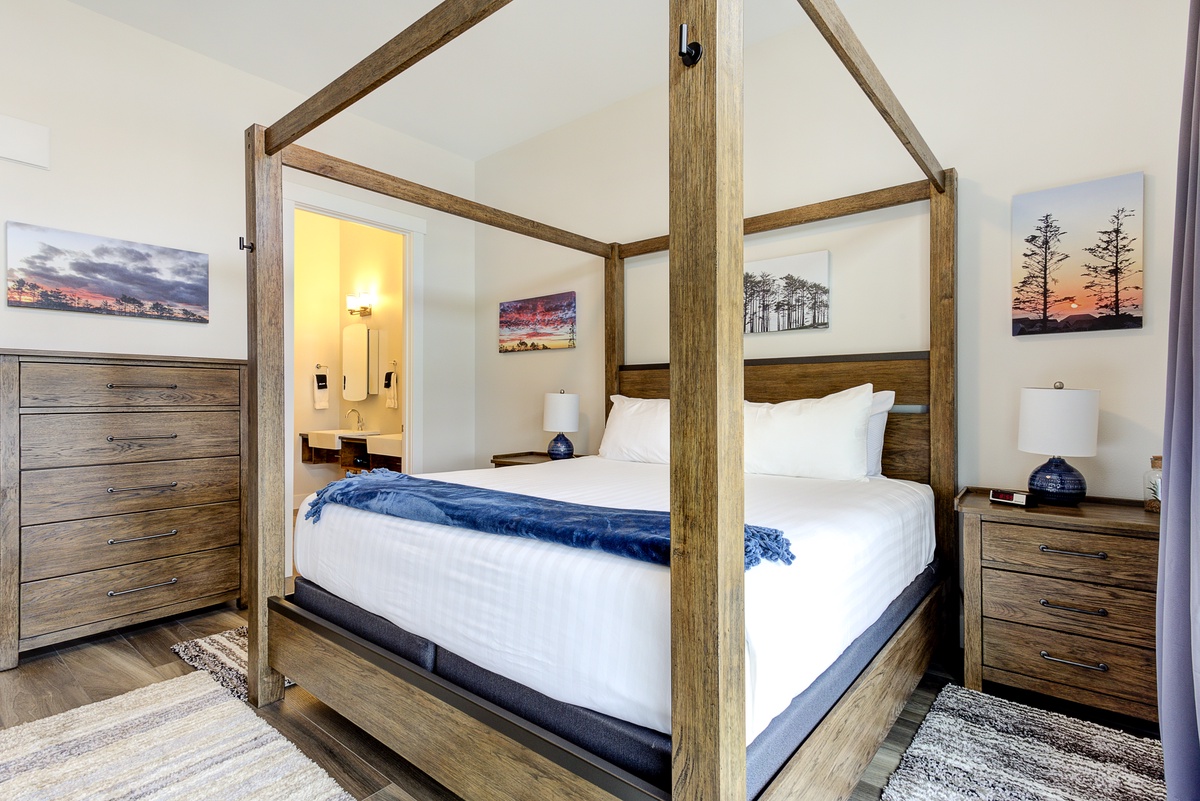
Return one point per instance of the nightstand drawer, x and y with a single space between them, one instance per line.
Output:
81 385
1092 610
1073 554
82 598
66 440
71 493
58 549
1129 672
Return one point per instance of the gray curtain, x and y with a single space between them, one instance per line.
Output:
1179 546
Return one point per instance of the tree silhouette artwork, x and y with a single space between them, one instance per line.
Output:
76 272
1034 293
1111 272
783 303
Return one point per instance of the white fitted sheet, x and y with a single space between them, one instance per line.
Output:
593 629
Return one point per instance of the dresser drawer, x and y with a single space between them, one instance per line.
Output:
64 440
1092 610
1073 554
82 598
1018 649
79 385
57 549
72 493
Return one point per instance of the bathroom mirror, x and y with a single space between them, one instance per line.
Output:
361 347
354 362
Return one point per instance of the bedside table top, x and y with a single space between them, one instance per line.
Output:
522 457
1094 513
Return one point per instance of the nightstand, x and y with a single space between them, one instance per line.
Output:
524 457
1061 600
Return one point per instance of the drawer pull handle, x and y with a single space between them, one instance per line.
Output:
147 487
1102 668
170 533
1097 555
1101 612
115 593
142 386
111 438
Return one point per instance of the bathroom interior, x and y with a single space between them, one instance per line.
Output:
348 346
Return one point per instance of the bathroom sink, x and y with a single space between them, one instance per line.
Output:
386 445
331 439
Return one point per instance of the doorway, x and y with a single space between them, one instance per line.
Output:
336 249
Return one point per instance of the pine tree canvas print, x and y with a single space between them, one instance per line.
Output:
1077 257
789 293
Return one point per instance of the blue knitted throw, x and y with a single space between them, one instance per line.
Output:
632 533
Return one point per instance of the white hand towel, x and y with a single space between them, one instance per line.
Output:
320 394
393 395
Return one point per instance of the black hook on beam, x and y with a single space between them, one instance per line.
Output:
244 245
689 52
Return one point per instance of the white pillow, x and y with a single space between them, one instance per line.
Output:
638 430
813 438
881 404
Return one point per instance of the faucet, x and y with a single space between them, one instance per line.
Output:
357 414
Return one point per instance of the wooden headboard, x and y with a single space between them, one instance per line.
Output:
906 447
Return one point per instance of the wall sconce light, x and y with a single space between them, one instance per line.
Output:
359 304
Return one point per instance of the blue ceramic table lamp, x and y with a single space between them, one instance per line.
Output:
1058 422
561 414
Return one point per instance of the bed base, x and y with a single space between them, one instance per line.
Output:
480 751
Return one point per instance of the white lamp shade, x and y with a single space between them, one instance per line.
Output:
1059 422
561 412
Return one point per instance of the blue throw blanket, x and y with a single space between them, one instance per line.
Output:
632 533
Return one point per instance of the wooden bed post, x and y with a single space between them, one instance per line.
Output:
264 493
708 686
943 410
614 324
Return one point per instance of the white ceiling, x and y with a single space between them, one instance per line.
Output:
531 67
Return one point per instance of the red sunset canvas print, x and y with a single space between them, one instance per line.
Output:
542 323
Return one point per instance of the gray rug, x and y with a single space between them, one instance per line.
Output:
979 747
223 655
186 738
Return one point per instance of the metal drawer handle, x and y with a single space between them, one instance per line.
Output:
1102 668
1097 555
1101 612
115 593
170 533
142 386
148 486
111 438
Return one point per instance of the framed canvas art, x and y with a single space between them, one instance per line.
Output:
69 271
546 322
789 293
1077 257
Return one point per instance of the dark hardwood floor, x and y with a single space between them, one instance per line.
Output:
55 679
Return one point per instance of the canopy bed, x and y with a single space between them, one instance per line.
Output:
475 746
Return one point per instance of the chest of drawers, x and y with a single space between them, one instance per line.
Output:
121 484
1061 601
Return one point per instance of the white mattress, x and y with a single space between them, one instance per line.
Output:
593 629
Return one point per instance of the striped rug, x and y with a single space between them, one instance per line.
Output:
223 655
979 747
186 738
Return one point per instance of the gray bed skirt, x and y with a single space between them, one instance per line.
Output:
643 752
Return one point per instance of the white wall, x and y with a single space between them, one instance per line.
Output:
146 145
1018 96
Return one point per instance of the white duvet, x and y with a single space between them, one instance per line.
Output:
593 629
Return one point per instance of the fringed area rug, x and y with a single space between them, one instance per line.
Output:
186 738
223 655
975 746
